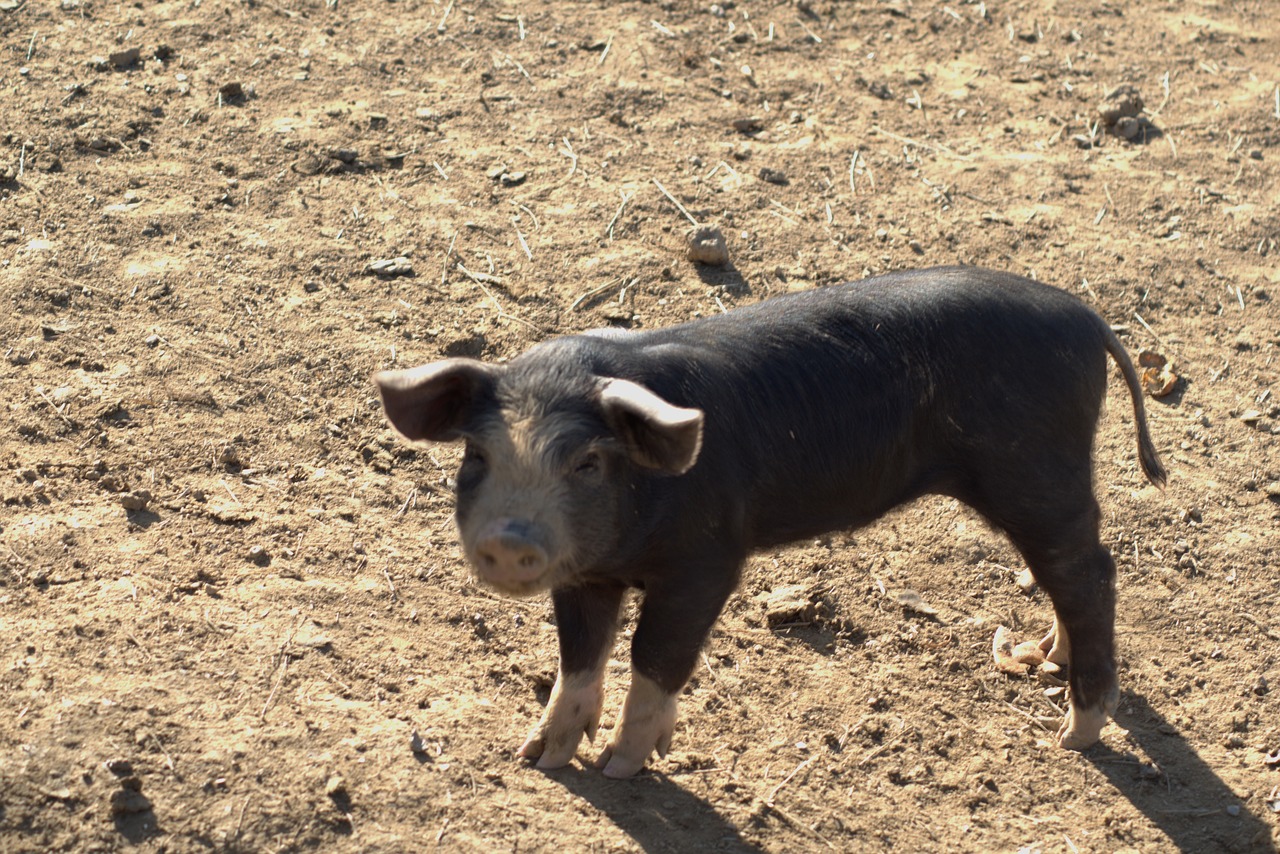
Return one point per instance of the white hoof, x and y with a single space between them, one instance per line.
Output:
647 724
572 711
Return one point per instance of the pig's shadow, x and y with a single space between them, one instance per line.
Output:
1185 787
655 811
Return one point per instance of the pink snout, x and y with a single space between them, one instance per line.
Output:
507 555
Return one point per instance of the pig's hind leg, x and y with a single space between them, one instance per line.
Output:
1078 574
587 620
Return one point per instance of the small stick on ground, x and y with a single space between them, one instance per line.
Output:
674 201
1147 327
593 292
616 214
448 253
390 584
773 793
447 9
568 151
853 164
523 244
605 52
942 149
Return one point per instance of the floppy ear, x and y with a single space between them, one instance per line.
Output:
434 401
657 434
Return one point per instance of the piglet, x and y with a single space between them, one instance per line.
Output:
658 460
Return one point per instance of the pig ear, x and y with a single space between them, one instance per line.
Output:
434 401
657 434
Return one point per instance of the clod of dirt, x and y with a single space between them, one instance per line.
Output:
792 603
232 91
1122 102
129 801
707 246
1121 113
748 124
122 59
774 176
136 500
1002 647
1158 377
388 267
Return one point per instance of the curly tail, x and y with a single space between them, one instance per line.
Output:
1151 465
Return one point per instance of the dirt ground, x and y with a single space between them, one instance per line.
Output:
232 610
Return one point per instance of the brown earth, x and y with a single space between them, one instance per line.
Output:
232 610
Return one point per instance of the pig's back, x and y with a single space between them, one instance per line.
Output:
825 408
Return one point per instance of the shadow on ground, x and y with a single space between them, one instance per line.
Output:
1181 785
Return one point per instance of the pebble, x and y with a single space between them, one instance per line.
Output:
1233 810
259 555
335 786
387 267
706 245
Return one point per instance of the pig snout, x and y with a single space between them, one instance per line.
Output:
507 554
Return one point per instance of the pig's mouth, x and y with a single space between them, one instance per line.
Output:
518 582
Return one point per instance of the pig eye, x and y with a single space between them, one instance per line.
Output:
588 463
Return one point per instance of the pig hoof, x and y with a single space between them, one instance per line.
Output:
647 724
573 711
1081 728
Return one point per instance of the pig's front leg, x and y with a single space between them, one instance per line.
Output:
587 620
674 623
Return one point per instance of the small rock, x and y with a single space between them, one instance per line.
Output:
1127 127
151 340
388 267
748 124
1260 687
511 179
1026 581
706 245
119 766
259 555
136 500
335 786
418 744
1233 810
232 91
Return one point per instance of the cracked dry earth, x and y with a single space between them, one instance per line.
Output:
233 615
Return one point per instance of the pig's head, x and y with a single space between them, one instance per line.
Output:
553 452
